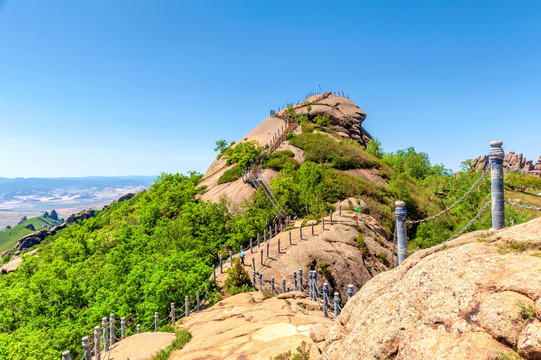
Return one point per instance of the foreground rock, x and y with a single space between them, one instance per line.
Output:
142 346
477 297
247 326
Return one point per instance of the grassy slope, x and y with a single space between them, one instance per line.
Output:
9 238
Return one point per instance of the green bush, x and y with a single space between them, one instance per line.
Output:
362 245
278 159
322 120
238 280
231 175
242 154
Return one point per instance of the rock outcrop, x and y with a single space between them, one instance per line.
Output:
45 215
30 227
23 219
142 346
345 117
248 326
476 297
6 253
8 227
53 215
516 161
350 251
83 215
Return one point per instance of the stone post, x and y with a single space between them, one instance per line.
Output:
66 355
270 232
253 280
230 258
283 285
272 285
336 304
122 328
264 235
111 329
278 246
340 210
187 305
138 328
97 345
326 299
221 266
260 282
401 214
350 291
104 336
300 232
258 241
300 279
275 229
289 237
214 271
323 223
312 228
253 262
261 256
330 216
197 301
496 156
86 349
295 280
156 322
268 249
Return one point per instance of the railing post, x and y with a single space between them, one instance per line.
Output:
253 262
268 243
111 329
272 285
340 210
283 285
258 240
326 299
261 256
336 304
278 246
251 247
312 228
330 216
197 301
254 280
401 214
214 271
289 237
350 291
221 266
230 258
97 345
323 223
260 282
295 280
138 328
156 322
496 156
105 337
300 232
66 355
187 305
173 317
122 328
86 349
300 279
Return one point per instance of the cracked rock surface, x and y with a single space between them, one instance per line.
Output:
477 297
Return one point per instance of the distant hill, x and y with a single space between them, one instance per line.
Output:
8 238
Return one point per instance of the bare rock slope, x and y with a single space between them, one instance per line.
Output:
477 297
248 326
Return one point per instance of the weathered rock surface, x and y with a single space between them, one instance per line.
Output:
6 253
8 227
142 346
30 227
516 161
46 214
345 116
53 215
334 252
460 300
14 262
23 219
247 326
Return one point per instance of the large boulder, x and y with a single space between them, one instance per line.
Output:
476 297
30 227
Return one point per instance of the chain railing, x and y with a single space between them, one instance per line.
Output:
523 206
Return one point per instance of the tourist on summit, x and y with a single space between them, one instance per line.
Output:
242 257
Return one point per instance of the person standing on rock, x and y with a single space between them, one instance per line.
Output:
242 257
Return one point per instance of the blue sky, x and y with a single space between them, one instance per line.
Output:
140 87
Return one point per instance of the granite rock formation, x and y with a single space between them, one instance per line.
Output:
476 297
511 159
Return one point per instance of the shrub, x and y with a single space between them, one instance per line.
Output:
243 154
362 245
231 175
322 120
303 353
278 159
238 280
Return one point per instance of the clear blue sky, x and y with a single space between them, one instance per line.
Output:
139 87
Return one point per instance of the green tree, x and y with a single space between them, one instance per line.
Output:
221 145
238 280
